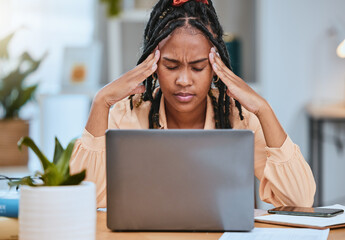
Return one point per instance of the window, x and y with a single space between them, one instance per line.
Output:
48 26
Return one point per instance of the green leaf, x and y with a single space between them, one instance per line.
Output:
24 181
75 179
52 176
13 94
24 96
17 76
11 81
30 143
113 7
4 45
58 151
63 162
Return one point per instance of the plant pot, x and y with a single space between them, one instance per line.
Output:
62 212
11 131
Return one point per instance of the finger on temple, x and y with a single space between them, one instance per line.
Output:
150 57
211 57
221 65
214 49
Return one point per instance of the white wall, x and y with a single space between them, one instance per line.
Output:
238 17
297 64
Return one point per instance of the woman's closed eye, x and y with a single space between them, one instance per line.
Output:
197 69
172 67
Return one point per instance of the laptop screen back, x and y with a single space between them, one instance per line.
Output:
180 180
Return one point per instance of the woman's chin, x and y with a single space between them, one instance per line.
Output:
185 107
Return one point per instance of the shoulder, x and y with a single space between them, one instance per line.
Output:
123 116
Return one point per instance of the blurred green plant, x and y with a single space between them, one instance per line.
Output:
57 172
113 7
13 91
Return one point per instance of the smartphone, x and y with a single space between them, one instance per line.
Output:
305 211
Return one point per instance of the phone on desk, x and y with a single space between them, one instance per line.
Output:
306 211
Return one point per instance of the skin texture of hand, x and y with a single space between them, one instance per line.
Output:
126 85
130 82
237 88
250 100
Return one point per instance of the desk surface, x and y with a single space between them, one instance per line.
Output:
327 111
103 233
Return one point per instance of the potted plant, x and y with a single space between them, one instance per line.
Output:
55 204
14 94
114 7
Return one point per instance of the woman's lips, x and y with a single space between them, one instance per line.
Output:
184 97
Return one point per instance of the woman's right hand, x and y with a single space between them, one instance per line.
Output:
129 83
126 85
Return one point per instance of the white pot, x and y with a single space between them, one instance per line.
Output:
63 212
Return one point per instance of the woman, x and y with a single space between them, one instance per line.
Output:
184 52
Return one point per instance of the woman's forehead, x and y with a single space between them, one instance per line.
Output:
185 37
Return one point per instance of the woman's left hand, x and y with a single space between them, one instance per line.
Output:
237 88
249 99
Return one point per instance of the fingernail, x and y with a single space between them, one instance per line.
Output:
215 66
154 66
213 49
218 54
212 56
157 52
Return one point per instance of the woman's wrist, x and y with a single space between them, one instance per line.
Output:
273 132
264 109
97 123
100 100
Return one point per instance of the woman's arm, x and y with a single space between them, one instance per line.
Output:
273 131
97 123
285 177
89 150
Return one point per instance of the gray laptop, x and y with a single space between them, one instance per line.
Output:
180 180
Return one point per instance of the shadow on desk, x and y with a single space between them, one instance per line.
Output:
103 233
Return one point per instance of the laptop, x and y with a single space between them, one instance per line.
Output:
180 180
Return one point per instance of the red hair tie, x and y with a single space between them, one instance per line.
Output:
177 3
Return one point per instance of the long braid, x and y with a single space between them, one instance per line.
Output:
154 111
155 15
164 19
155 41
215 108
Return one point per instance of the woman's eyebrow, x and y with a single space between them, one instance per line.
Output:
192 62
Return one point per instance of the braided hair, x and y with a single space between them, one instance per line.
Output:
164 19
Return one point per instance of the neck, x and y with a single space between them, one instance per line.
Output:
189 120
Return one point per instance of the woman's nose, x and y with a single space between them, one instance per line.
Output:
184 79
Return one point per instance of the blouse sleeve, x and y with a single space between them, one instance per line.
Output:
285 177
89 154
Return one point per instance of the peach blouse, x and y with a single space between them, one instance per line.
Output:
285 177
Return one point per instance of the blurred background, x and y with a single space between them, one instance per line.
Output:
64 51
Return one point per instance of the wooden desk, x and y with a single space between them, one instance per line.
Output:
318 115
103 233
